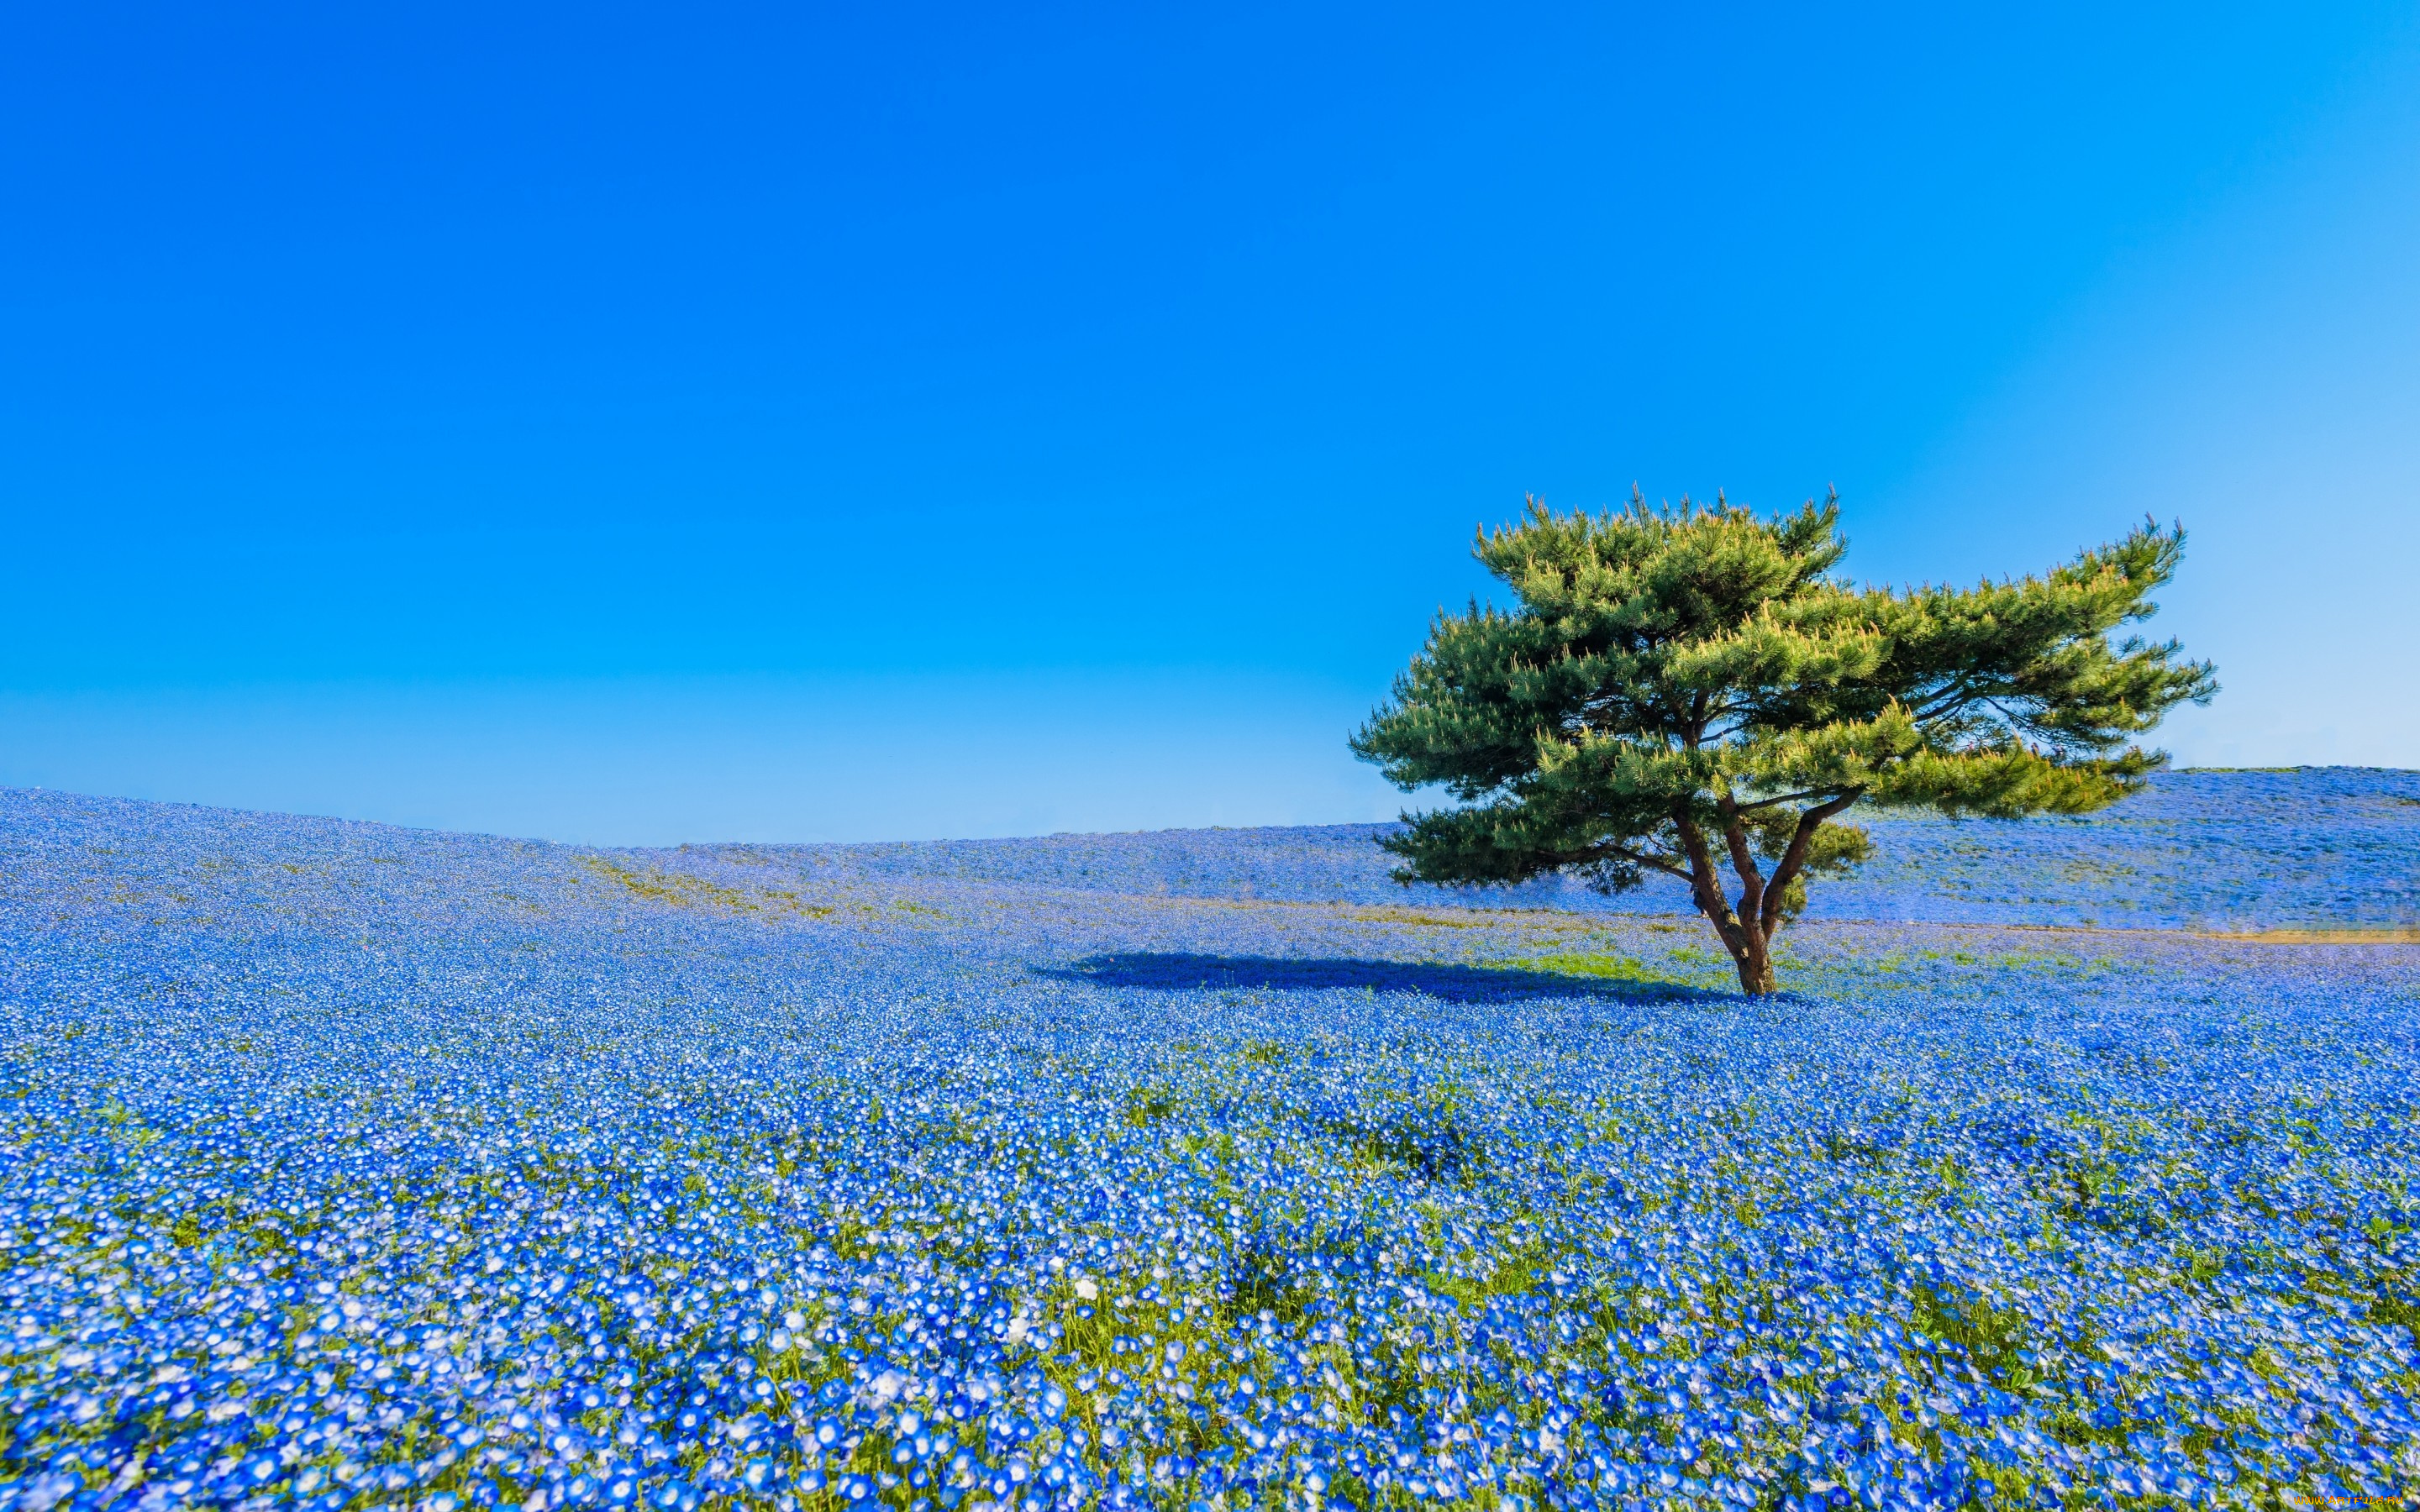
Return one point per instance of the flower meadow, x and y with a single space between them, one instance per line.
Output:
345 1166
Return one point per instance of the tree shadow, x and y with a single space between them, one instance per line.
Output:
1454 983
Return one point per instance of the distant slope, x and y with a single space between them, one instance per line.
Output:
2312 848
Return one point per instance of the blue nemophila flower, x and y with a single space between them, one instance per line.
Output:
343 1166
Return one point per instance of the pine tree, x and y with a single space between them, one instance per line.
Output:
1678 688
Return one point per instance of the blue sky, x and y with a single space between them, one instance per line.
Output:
709 422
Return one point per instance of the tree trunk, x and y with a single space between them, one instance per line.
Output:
1739 932
1755 963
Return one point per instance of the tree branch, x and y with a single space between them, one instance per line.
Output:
1769 919
1787 797
1945 701
1653 863
1743 860
1708 893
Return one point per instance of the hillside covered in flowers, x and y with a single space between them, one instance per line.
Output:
344 1166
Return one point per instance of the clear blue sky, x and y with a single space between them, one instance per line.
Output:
696 422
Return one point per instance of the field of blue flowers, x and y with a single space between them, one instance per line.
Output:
344 1166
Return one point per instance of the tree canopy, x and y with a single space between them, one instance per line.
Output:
1680 687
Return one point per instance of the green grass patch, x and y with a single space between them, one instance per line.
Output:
679 889
1601 966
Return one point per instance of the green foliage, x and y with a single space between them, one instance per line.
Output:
1680 687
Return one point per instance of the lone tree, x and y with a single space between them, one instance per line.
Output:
1682 686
